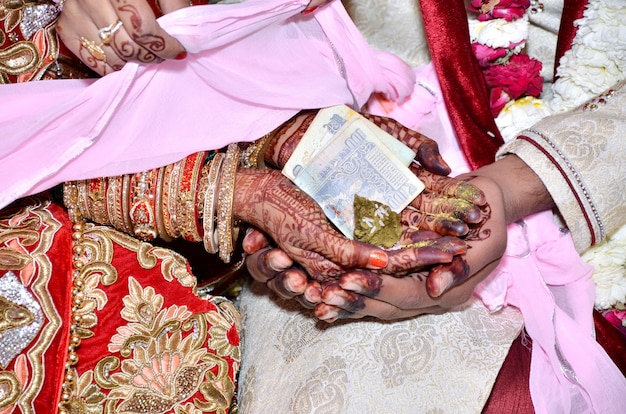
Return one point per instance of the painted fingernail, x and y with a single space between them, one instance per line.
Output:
378 259
181 55
309 11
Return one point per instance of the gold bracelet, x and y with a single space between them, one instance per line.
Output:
158 207
142 204
254 154
127 225
96 193
187 216
173 184
210 203
226 230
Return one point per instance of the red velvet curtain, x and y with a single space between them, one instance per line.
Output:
463 86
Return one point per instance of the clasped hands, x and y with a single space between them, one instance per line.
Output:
456 231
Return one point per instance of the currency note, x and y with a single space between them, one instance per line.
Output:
328 123
355 161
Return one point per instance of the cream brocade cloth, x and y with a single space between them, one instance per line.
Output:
294 363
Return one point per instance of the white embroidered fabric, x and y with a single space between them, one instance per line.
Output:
430 364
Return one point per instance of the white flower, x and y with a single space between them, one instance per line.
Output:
521 114
597 59
609 262
499 33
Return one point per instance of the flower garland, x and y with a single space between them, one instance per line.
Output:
498 36
596 61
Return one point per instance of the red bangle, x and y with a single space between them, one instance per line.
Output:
187 213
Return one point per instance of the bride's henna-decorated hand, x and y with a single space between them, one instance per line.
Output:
269 201
105 34
381 294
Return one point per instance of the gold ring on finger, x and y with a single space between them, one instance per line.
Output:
95 50
106 33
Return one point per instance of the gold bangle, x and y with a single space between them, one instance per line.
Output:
253 156
226 230
127 225
210 203
187 216
70 199
158 207
166 200
82 205
114 199
142 204
96 201
173 184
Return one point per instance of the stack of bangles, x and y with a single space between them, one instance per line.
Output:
191 198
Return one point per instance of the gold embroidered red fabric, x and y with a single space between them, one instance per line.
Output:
148 342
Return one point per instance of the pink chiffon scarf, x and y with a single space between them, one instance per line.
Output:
251 66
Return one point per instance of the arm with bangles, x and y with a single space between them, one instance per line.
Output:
200 197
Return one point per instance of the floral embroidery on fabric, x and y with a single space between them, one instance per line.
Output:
163 364
29 317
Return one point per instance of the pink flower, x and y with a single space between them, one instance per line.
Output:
519 77
486 55
497 100
617 319
499 9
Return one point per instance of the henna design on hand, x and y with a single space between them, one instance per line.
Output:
287 138
477 231
269 201
427 150
151 43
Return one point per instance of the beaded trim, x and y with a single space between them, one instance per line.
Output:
576 176
71 200
595 104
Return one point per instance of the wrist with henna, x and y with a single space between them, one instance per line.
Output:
287 137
